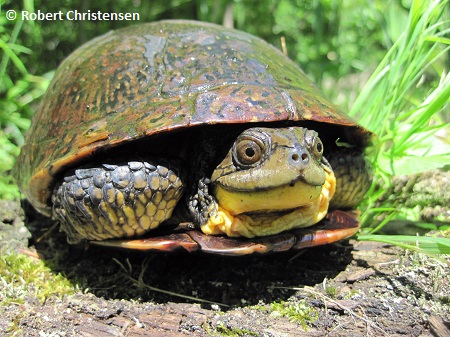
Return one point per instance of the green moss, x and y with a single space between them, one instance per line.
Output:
223 330
331 291
14 328
22 276
298 312
351 294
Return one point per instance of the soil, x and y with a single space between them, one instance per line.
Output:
346 289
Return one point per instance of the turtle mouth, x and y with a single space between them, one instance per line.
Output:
277 213
269 200
264 213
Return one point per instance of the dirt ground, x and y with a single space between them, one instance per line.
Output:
346 289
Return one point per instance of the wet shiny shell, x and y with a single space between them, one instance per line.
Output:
157 77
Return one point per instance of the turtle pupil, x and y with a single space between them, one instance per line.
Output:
249 152
319 147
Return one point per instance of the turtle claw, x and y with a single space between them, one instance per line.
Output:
202 203
336 226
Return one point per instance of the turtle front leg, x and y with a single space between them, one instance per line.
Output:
208 214
116 201
353 178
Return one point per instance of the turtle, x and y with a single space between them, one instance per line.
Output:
184 135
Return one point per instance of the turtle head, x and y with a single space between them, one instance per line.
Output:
270 181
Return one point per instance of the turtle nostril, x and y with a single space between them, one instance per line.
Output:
299 157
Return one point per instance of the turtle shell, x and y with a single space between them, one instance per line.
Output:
157 77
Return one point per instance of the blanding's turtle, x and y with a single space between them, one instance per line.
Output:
187 135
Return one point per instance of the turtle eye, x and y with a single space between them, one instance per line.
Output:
317 148
314 144
247 152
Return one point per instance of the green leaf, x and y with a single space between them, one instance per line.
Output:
424 244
